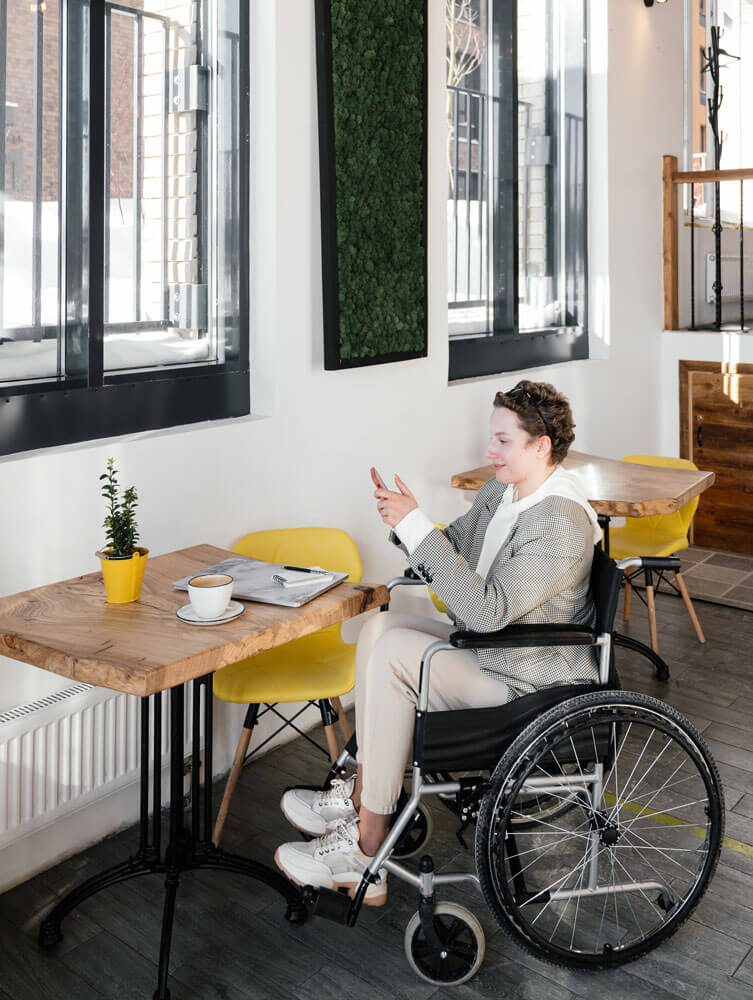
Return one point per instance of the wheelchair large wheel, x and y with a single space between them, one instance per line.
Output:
623 867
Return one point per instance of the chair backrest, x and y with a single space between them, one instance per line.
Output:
678 523
330 548
438 603
606 579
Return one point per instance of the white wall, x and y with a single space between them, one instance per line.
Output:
304 457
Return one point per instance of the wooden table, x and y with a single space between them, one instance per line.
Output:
620 489
144 649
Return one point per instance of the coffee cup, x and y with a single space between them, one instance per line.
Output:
210 594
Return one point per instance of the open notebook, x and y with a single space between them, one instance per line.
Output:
253 581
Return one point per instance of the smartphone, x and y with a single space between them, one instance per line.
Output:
378 479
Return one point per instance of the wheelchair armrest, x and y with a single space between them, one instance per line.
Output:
657 563
526 635
409 579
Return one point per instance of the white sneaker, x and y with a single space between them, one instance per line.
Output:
315 812
332 861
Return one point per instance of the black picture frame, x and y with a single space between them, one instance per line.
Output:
333 358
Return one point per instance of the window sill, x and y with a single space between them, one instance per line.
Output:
475 357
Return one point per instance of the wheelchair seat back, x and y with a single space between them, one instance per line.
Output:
606 580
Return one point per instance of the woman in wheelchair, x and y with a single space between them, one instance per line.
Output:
529 637
521 554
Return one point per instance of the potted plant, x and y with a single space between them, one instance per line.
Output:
123 561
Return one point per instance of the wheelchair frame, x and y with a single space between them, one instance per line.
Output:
336 906
591 784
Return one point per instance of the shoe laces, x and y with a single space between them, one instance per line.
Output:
337 794
343 837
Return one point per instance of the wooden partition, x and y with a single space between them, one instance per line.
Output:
716 432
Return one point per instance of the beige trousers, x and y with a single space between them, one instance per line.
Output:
388 661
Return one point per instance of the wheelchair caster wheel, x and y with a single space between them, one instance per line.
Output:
459 952
416 836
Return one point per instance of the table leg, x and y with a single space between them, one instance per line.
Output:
189 847
147 859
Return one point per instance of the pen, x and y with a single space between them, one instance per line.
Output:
305 569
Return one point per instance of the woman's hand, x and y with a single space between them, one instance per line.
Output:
394 506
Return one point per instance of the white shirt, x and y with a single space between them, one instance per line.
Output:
415 526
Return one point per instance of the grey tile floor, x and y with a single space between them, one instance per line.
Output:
231 941
719 577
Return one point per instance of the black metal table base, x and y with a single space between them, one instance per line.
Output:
627 642
189 847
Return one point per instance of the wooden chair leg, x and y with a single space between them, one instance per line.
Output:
334 750
652 618
232 781
341 720
689 605
628 595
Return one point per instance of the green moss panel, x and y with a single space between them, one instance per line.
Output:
378 98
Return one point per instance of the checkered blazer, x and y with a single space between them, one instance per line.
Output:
540 575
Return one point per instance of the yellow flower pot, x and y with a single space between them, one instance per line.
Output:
123 577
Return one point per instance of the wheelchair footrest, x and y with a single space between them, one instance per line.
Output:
330 904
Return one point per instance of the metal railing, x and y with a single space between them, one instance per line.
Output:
672 178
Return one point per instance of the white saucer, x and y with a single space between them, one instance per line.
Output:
188 615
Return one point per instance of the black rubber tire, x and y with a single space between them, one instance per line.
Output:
497 803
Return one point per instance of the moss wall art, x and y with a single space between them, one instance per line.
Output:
371 82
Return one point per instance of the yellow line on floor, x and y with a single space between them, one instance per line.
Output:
668 820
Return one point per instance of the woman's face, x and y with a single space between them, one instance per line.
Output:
514 454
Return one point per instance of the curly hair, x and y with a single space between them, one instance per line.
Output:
541 411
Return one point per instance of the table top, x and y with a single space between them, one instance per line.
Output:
142 648
618 489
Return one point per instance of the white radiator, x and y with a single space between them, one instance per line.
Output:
63 751
730 277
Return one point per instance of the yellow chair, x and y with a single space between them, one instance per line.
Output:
316 669
661 535
438 603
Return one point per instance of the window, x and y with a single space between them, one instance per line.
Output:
702 78
516 206
123 217
702 141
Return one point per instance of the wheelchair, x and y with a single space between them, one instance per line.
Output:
599 812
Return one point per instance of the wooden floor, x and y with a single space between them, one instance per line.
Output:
231 940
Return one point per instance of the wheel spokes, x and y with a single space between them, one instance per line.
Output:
591 882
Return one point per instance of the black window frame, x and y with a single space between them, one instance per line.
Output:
507 348
86 403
